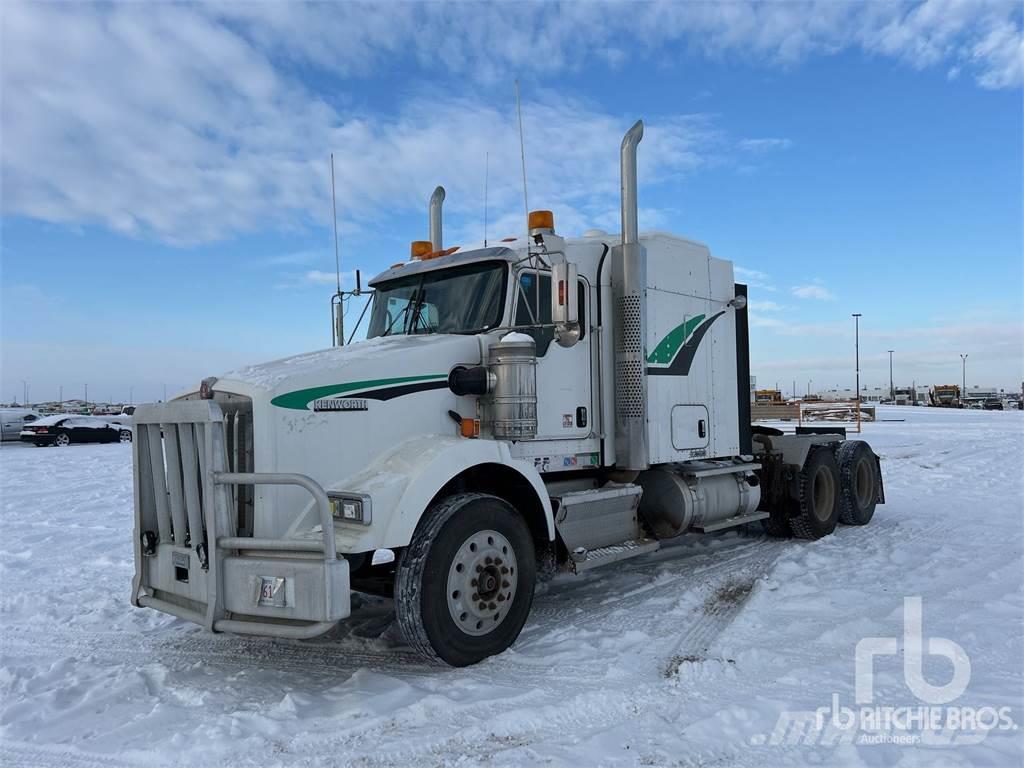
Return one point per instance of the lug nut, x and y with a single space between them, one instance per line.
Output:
488 560
479 568
497 561
504 569
492 606
501 598
476 596
505 584
483 606
472 582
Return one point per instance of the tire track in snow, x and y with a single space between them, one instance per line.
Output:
587 711
24 755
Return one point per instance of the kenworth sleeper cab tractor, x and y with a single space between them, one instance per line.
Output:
546 404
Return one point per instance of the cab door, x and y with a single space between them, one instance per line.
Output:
564 392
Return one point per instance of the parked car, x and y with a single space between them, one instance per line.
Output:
993 404
13 420
65 429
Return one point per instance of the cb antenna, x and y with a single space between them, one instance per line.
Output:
487 170
338 299
522 156
334 210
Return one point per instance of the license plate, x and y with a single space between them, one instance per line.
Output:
271 592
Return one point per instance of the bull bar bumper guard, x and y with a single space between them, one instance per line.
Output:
189 560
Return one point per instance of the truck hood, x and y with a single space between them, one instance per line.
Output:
379 369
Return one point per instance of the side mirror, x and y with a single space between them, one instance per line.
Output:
565 311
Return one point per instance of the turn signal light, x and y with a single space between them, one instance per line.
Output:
541 220
421 248
470 428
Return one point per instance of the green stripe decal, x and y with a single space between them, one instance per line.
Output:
301 398
669 346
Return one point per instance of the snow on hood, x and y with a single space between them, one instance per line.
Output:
363 354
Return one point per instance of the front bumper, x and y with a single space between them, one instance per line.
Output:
189 560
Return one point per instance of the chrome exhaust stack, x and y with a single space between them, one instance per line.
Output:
436 200
629 284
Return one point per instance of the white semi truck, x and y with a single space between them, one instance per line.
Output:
546 404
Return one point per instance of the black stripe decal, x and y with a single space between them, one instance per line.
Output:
684 358
390 393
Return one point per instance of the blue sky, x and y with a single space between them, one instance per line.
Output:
166 195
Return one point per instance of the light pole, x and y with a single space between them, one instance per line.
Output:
809 387
87 397
131 395
892 389
856 347
963 390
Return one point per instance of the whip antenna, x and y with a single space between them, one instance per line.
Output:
334 209
522 156
487 169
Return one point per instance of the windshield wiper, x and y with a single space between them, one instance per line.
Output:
416 314
416 302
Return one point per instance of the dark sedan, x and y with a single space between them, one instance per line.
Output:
63 430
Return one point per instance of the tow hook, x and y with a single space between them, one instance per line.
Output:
204 561
148 543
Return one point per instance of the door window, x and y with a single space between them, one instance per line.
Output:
528 313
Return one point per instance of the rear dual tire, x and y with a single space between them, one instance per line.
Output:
831 488
817 496
858 479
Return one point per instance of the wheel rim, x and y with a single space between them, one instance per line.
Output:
62 440
824 494
126 436
482 582
864 484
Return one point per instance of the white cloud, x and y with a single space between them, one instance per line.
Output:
765 306
188 122
317 277
754 278
819 292
296 257
759 321
172 124
765 145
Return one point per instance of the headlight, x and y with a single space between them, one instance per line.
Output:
350 508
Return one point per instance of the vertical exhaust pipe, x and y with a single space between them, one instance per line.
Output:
629 292
627 162
436 200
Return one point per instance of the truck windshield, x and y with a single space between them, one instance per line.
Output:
466 299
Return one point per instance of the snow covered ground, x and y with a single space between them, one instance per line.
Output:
704 653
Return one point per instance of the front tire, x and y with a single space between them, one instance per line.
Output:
464 586
62 440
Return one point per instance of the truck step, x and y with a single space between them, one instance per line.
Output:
731 522
585 559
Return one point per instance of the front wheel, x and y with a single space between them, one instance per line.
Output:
62 440
464 586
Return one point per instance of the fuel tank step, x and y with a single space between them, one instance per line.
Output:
584 559
731 522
